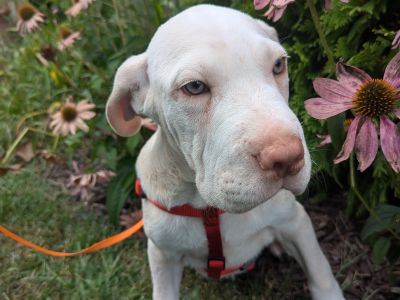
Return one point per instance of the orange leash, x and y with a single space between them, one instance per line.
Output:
112 240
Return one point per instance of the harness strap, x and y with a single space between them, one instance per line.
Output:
210 216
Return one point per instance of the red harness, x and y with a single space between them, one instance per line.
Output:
210 216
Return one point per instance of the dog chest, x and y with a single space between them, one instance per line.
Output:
243 236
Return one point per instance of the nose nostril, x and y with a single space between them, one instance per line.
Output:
280 169
282 159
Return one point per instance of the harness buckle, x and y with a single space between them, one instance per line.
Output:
216 263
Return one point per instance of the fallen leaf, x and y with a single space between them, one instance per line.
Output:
25 152
50 157
129 219
12 169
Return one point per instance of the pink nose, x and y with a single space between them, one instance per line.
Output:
284 156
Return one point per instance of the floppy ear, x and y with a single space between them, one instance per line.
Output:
128 95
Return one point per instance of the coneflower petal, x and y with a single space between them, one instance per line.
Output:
57 128
82 125
87 115
350 77
366 144
332 90
74 10
392 71
260 4
72 128
84 105
396 40
56 115
390 142
348 145
64 130
321 109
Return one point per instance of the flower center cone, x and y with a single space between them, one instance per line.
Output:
374 98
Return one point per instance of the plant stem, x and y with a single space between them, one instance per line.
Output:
322 39
44 132
28 116
19 139
14 145
55 144
121 30
353 185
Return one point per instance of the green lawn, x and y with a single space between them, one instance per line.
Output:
36 208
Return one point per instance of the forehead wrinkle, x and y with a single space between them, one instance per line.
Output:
201 65
213 53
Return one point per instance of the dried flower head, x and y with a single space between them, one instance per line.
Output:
46 54
68 37
71 116
28 18
85 185
50 157
372 101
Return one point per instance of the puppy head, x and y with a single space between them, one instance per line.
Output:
216 82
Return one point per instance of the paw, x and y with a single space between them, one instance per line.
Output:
331 292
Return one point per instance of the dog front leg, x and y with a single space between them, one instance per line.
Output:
166 273
298 238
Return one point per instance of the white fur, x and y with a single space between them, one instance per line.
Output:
203 152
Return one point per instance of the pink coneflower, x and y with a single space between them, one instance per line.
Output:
396 40
68 37
372 101
276 8
71 116
325 139
78 6
28 18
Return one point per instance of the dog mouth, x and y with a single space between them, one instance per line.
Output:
244 198
240 194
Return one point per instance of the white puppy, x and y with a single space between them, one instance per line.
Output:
216 82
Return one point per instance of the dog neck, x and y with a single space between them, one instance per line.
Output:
165 174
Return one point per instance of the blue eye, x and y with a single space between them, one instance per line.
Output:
195 87
279 66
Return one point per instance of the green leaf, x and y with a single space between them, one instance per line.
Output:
380 250
336 130
388 215
118 190
132 143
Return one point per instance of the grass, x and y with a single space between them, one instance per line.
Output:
34 207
